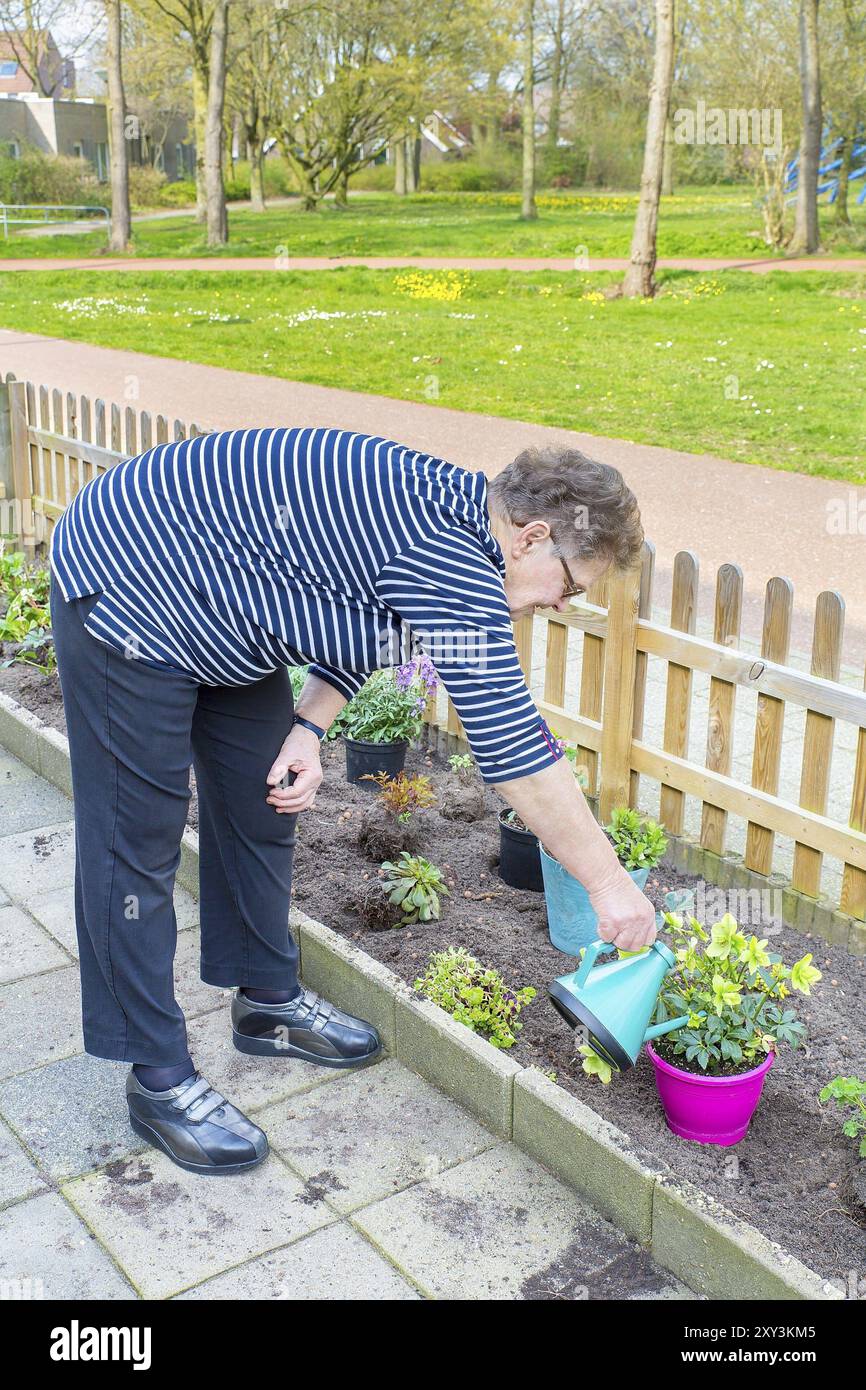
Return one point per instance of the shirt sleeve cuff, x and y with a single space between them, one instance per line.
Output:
348 683
550 752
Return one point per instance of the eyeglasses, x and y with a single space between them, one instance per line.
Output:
571 589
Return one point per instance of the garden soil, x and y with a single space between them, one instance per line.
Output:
794 1176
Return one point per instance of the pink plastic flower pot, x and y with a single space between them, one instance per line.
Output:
708 1109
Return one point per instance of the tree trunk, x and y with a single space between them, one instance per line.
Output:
411 161
416 161
805 236
668 160
553 116
528 211
398 152
257 181
199 104
217 219
120 216
640 276
341 190
840 207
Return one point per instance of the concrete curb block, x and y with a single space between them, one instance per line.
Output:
456 1060
687 1232
717 1254
360 985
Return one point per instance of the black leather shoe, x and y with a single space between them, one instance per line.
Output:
195 1126
307 1027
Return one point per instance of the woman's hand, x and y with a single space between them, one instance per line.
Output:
625 915
300 754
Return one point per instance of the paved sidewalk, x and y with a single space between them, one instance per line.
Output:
377 1186
724 511
558 263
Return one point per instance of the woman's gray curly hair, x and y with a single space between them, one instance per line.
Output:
589 507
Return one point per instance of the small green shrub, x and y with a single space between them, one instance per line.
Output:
639 842
25 618
40 178
475 995
414 885
402 795
849 1093
145 186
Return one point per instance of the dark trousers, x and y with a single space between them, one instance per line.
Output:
134 729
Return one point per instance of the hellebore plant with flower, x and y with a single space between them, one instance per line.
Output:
733 990
390 706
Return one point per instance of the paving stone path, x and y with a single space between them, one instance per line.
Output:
377 1186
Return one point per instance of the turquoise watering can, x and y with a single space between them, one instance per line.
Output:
616 1000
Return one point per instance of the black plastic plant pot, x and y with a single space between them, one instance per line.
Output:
519 857
363 757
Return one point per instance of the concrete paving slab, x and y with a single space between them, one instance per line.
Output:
18 1174
334 1265
12 770
45 1249
37 860
40 1020
169 1229
72 1115
374 1133
31 802
191 992
25 948
496 1227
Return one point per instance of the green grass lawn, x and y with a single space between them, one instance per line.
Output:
693 222
765 369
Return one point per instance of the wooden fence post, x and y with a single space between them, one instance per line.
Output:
620 658
22 480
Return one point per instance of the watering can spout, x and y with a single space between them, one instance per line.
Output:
667 1026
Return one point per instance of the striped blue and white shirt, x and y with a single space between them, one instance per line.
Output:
234 553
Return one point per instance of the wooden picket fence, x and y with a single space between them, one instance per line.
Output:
58 442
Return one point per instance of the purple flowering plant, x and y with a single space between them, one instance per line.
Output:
390 706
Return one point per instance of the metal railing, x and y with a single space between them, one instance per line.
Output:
45 209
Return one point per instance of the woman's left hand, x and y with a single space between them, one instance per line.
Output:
300 754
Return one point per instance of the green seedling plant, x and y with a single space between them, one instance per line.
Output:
415 885
402 795
475 995
849 1093
26 619
639 841
462 765
734 991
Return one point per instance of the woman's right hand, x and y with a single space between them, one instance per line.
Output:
300 754
625 914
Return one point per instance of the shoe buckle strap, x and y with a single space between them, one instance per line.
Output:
191 1093
206 1106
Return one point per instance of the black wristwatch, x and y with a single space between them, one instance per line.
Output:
308 724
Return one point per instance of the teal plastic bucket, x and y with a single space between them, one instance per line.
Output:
571 921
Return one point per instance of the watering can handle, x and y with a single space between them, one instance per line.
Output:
594 950
590 956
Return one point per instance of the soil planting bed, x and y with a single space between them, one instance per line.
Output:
794 1174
